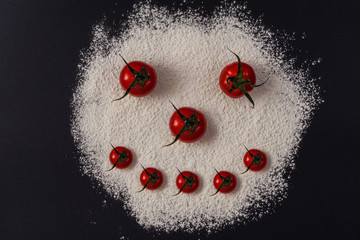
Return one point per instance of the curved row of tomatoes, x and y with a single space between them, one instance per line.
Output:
186 181
188 124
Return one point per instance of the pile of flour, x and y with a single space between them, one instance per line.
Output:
188 52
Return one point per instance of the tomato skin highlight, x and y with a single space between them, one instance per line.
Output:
180 181
218 181
231 70
144 178
248 159
126 78
114 157
176 123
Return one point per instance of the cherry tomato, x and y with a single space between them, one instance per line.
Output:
120 157
238 79
231 70
151 178
187 182
224 182
138 79
187 125
255 160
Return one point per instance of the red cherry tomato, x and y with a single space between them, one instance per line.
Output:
151 178
238 79
224 182
187 182
120 157
176 124
255 160
231 70
127 78
137 78
187 125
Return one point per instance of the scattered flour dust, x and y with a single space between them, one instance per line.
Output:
188 51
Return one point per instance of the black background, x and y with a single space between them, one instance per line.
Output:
44 196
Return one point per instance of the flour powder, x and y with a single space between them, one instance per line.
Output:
188 51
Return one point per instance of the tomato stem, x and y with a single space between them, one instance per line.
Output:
190 123
189 181
121 159
153 177
239 82
256 160
140 78
225 183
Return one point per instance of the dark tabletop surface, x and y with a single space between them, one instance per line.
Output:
44 196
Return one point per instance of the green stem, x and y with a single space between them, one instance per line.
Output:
239 81
256 159
140 78
153 177
121 157
226 182
189 181
190 123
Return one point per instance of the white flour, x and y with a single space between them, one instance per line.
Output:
188 53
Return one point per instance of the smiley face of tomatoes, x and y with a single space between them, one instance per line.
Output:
255 160
224 182
187 182
145 78
120 157
151 178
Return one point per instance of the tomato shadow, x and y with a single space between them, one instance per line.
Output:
165 183
201 184
268 163
238 184
166 84
135 159
263 75
211 131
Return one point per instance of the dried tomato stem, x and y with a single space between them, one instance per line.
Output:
256 159
121 159
190 123
226 182
153 177
189 181
239 81
140 78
